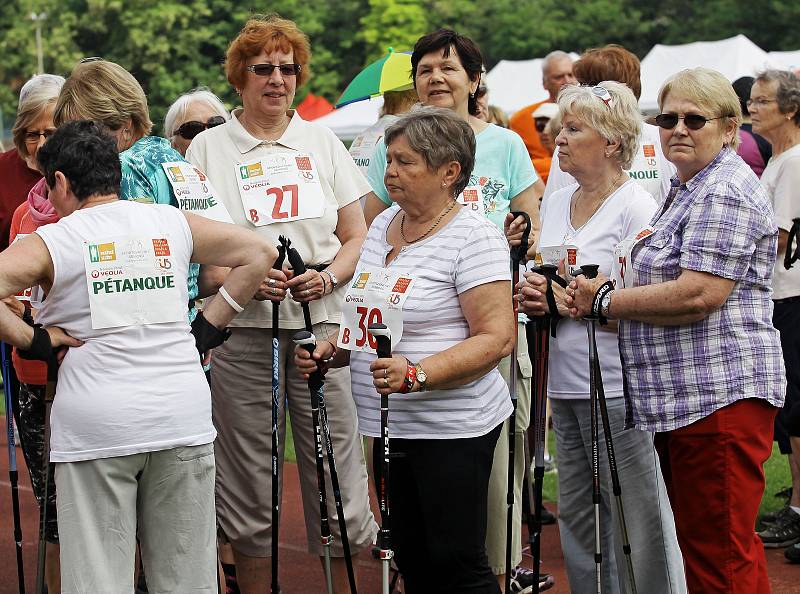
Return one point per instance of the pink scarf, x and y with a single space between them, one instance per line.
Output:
42 211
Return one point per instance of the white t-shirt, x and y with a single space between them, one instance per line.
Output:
129 389
217 152
781 179
469 251
650 167
622 215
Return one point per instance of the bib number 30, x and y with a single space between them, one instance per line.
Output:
366 316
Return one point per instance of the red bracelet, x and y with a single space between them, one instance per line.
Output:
411 377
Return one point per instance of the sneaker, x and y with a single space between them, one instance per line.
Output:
792 554
522 581
784 493
769 518
784 532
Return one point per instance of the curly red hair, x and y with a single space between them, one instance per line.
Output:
269 33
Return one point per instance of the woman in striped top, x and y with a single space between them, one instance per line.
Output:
448 399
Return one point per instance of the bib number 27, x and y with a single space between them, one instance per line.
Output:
278 211
366 316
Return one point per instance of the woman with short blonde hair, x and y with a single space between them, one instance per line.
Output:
192 113
581 224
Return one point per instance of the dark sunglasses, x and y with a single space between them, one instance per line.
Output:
692 121
267 69
541 124
189 130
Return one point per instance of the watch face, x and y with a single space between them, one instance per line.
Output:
422 377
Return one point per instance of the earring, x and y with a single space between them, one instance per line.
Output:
472 95
444 185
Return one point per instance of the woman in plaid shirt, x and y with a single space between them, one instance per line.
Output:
701 358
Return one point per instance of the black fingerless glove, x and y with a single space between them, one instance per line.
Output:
41 348
206 335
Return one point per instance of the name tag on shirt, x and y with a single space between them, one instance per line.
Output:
375 296
472 198
130 282
194 191
279 188
555 254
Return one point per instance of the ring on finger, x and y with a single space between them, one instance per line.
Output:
386 382
306 292
271 282
385 372
273 291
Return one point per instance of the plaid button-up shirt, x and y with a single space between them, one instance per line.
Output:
719 222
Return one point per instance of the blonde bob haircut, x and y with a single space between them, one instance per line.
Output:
619 121
711 92
268 33
39 93
105 92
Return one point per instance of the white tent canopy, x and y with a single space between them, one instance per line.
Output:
733 57
788 60
349 121
514 84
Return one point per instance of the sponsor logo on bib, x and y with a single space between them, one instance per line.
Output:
102 252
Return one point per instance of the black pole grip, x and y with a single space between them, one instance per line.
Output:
790 258
383 336
589 270
518 252
295 261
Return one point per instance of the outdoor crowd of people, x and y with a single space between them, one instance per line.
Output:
131 262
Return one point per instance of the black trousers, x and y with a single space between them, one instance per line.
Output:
437 501
786 318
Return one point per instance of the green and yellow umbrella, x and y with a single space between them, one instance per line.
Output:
391 73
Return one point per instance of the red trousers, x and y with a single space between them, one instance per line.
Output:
714 472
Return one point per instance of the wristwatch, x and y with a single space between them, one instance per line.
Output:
422 377
605 303
334 280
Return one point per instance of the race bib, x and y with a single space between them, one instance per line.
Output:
556 254
374 297
130 282
472 198
194 191
279 188
621 264
363 148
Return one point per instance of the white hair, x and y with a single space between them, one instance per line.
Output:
552 57
178 109
41 85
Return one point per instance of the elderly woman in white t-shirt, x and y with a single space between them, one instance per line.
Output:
446 269
583 224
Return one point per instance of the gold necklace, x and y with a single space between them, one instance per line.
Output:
608 191
424 235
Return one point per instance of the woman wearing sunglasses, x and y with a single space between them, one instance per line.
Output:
701 358
597 143
280 175
192 113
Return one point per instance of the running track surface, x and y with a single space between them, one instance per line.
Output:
300 573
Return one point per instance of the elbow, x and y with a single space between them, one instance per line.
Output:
700 307
506 347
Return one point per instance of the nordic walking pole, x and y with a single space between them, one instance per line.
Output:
383 337
49 395
517 255
597 393
298 268
12 465
539 333
276 403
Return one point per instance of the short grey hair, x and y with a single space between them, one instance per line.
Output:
788 93
35 96
552 57
181 105
440 136
620 121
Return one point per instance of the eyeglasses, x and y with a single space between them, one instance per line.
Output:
692 121
760 102
32 137
192 128
602 94
267 69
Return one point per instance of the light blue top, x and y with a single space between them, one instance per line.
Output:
502 170
144 180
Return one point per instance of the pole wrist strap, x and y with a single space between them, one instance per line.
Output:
41 348
597 301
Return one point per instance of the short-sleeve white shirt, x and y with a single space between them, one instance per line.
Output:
650 168
217 152
469 251
622 215
781 179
